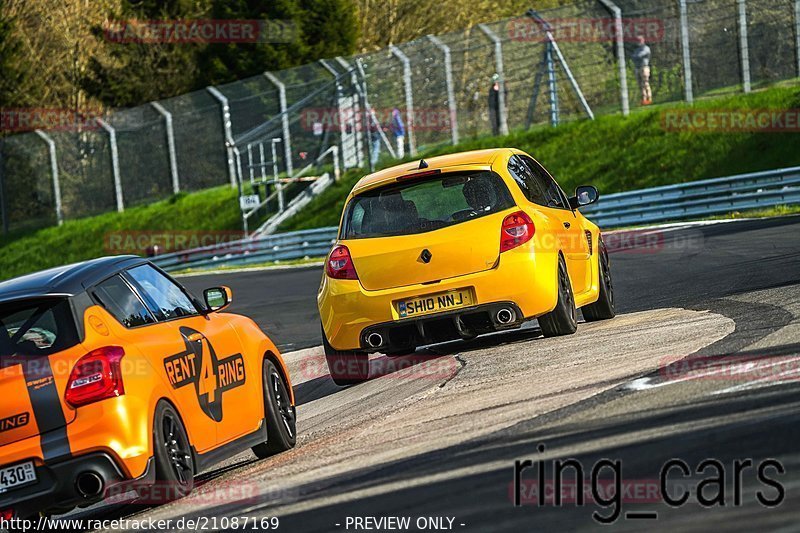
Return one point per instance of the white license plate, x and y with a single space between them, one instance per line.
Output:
433 303
12 477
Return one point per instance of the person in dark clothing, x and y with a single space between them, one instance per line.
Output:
399 131
494 103
375 141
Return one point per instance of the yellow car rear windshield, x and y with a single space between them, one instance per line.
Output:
418 206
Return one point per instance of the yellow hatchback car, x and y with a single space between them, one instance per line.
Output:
454 247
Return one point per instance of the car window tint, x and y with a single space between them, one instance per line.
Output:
552 192
120 300
162 294
36 327
530 186
425 205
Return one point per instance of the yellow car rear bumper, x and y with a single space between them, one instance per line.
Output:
523 278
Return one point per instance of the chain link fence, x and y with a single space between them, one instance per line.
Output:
549 67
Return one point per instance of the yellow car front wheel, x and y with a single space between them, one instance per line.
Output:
563 320
603 308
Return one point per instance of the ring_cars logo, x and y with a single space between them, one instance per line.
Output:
198 365
14 422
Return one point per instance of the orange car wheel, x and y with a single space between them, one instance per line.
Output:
172 451
280 413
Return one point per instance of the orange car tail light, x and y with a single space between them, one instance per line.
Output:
340 264
96 376
517 229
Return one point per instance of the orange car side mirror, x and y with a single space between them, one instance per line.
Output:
217 298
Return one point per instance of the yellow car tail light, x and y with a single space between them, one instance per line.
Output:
340 264
517 229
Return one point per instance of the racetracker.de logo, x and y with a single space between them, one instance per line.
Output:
737 368
634 241
731 120
318 119
408 367
599 491
583 30
205 493
20 119
200 31
160 242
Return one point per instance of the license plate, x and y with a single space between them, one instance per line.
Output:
12 477
434 303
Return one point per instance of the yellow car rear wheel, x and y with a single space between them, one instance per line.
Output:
346 367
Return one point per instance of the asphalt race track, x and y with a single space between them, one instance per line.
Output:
436 434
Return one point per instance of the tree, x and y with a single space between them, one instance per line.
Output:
10 62
54 36
385 22
322 28
129 73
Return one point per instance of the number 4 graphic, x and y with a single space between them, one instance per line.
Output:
208 377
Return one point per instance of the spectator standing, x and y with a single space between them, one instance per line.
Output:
399 131
375 141
641 61
494 104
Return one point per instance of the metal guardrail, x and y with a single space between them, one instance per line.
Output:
697 199
658 204
280 247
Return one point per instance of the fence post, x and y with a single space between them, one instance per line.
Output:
620 40
498 59
250 170
278 183
287 140
364 94
448 77
399 54
339 112
552 87
687 57
797 32
226 131
51 149
173 160
239 177
112 142
3 203
337 172
744 45
356 82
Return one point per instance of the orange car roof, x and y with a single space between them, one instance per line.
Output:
66 280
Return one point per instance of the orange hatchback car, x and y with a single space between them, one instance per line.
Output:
112 375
